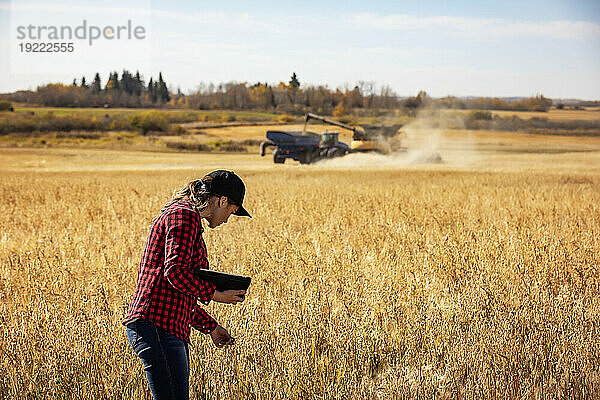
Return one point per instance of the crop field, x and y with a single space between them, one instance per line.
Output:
589 114
373 276
586 114
100 111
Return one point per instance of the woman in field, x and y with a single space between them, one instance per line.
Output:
163 308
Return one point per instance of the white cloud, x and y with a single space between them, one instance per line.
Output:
491 27
68 8
204 18
578 30
411 22
386 51
480 27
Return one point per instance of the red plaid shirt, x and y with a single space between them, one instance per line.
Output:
167 289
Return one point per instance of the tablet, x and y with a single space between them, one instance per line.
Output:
224 281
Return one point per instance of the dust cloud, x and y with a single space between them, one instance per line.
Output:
432 138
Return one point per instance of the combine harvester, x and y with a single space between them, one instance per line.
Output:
308 147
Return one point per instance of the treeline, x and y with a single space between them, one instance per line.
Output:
291 98
589 103
537 103
128 90
365 98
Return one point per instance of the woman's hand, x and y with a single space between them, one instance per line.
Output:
221 337
229 296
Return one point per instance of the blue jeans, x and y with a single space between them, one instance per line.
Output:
165 358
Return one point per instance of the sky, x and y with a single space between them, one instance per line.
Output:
460 48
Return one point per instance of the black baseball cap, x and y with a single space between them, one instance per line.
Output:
227 183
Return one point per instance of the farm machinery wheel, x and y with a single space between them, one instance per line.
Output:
334 152
306 158
277 159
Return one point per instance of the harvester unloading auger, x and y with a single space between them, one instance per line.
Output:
365 138
307 147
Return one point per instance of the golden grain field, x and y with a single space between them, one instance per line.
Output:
478 278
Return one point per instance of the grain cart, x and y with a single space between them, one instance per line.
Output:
303 146
307 147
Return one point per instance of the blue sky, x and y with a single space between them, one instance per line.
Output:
499 48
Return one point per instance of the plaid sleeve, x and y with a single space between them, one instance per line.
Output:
202 321
182 227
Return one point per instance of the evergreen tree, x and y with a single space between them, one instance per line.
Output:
139 83
83 84
293 88
96 84
74 82
155 92
162 91
152 90
113 81
294 82
127 82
